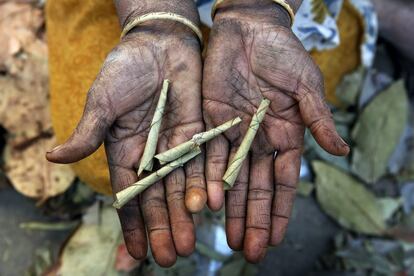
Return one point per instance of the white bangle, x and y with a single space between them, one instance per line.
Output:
163 16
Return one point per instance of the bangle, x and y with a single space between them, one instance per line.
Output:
163 16
282 3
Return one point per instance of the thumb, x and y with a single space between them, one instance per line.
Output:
89 133
318 118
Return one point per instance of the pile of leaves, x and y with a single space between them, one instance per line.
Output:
24 112
369 193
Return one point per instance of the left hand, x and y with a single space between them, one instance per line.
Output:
119 109
254 54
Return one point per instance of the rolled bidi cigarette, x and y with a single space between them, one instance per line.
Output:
236 163
196 141
152 140
132 191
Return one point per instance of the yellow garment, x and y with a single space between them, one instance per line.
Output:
82 32
346 58
80 35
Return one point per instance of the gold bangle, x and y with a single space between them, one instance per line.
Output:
282 3
216 5
163 16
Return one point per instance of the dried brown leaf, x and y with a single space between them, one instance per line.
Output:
19 24
32 175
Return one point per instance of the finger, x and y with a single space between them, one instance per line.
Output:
216 164
186 105
287 169
318 118
181 221
236 207
259 204
130 215
154 209
89 133
196 193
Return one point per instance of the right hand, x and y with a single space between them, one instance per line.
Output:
119 109
253 54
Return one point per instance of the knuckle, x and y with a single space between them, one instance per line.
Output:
217 159
153 204
260 194
175 196
236 197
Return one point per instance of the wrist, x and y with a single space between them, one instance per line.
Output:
263 11
128 10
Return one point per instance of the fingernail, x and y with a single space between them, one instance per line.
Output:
195 200
345 144
55 149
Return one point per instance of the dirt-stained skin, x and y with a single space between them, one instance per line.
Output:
252 54
118 112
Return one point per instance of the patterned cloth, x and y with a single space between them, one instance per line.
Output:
316 24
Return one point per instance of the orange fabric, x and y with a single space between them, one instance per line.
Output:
80 35
346 58
82 32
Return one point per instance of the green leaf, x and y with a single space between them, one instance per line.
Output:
373 256
92 249
305 188
350 87
378 131
348 201
389 206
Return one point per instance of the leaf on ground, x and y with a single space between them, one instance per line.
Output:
373 256
24 113
32 175
92 249
378 131
389 206
19 26
348 201
24 104
305 188
350 87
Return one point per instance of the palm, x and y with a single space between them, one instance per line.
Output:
238 89
247 61
119 110
133 85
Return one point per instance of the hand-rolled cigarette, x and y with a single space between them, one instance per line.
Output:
129 193
196 141
152 140
236 163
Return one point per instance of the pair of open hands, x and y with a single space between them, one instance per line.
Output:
248 58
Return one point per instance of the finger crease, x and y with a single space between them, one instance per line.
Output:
280 216
159 229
